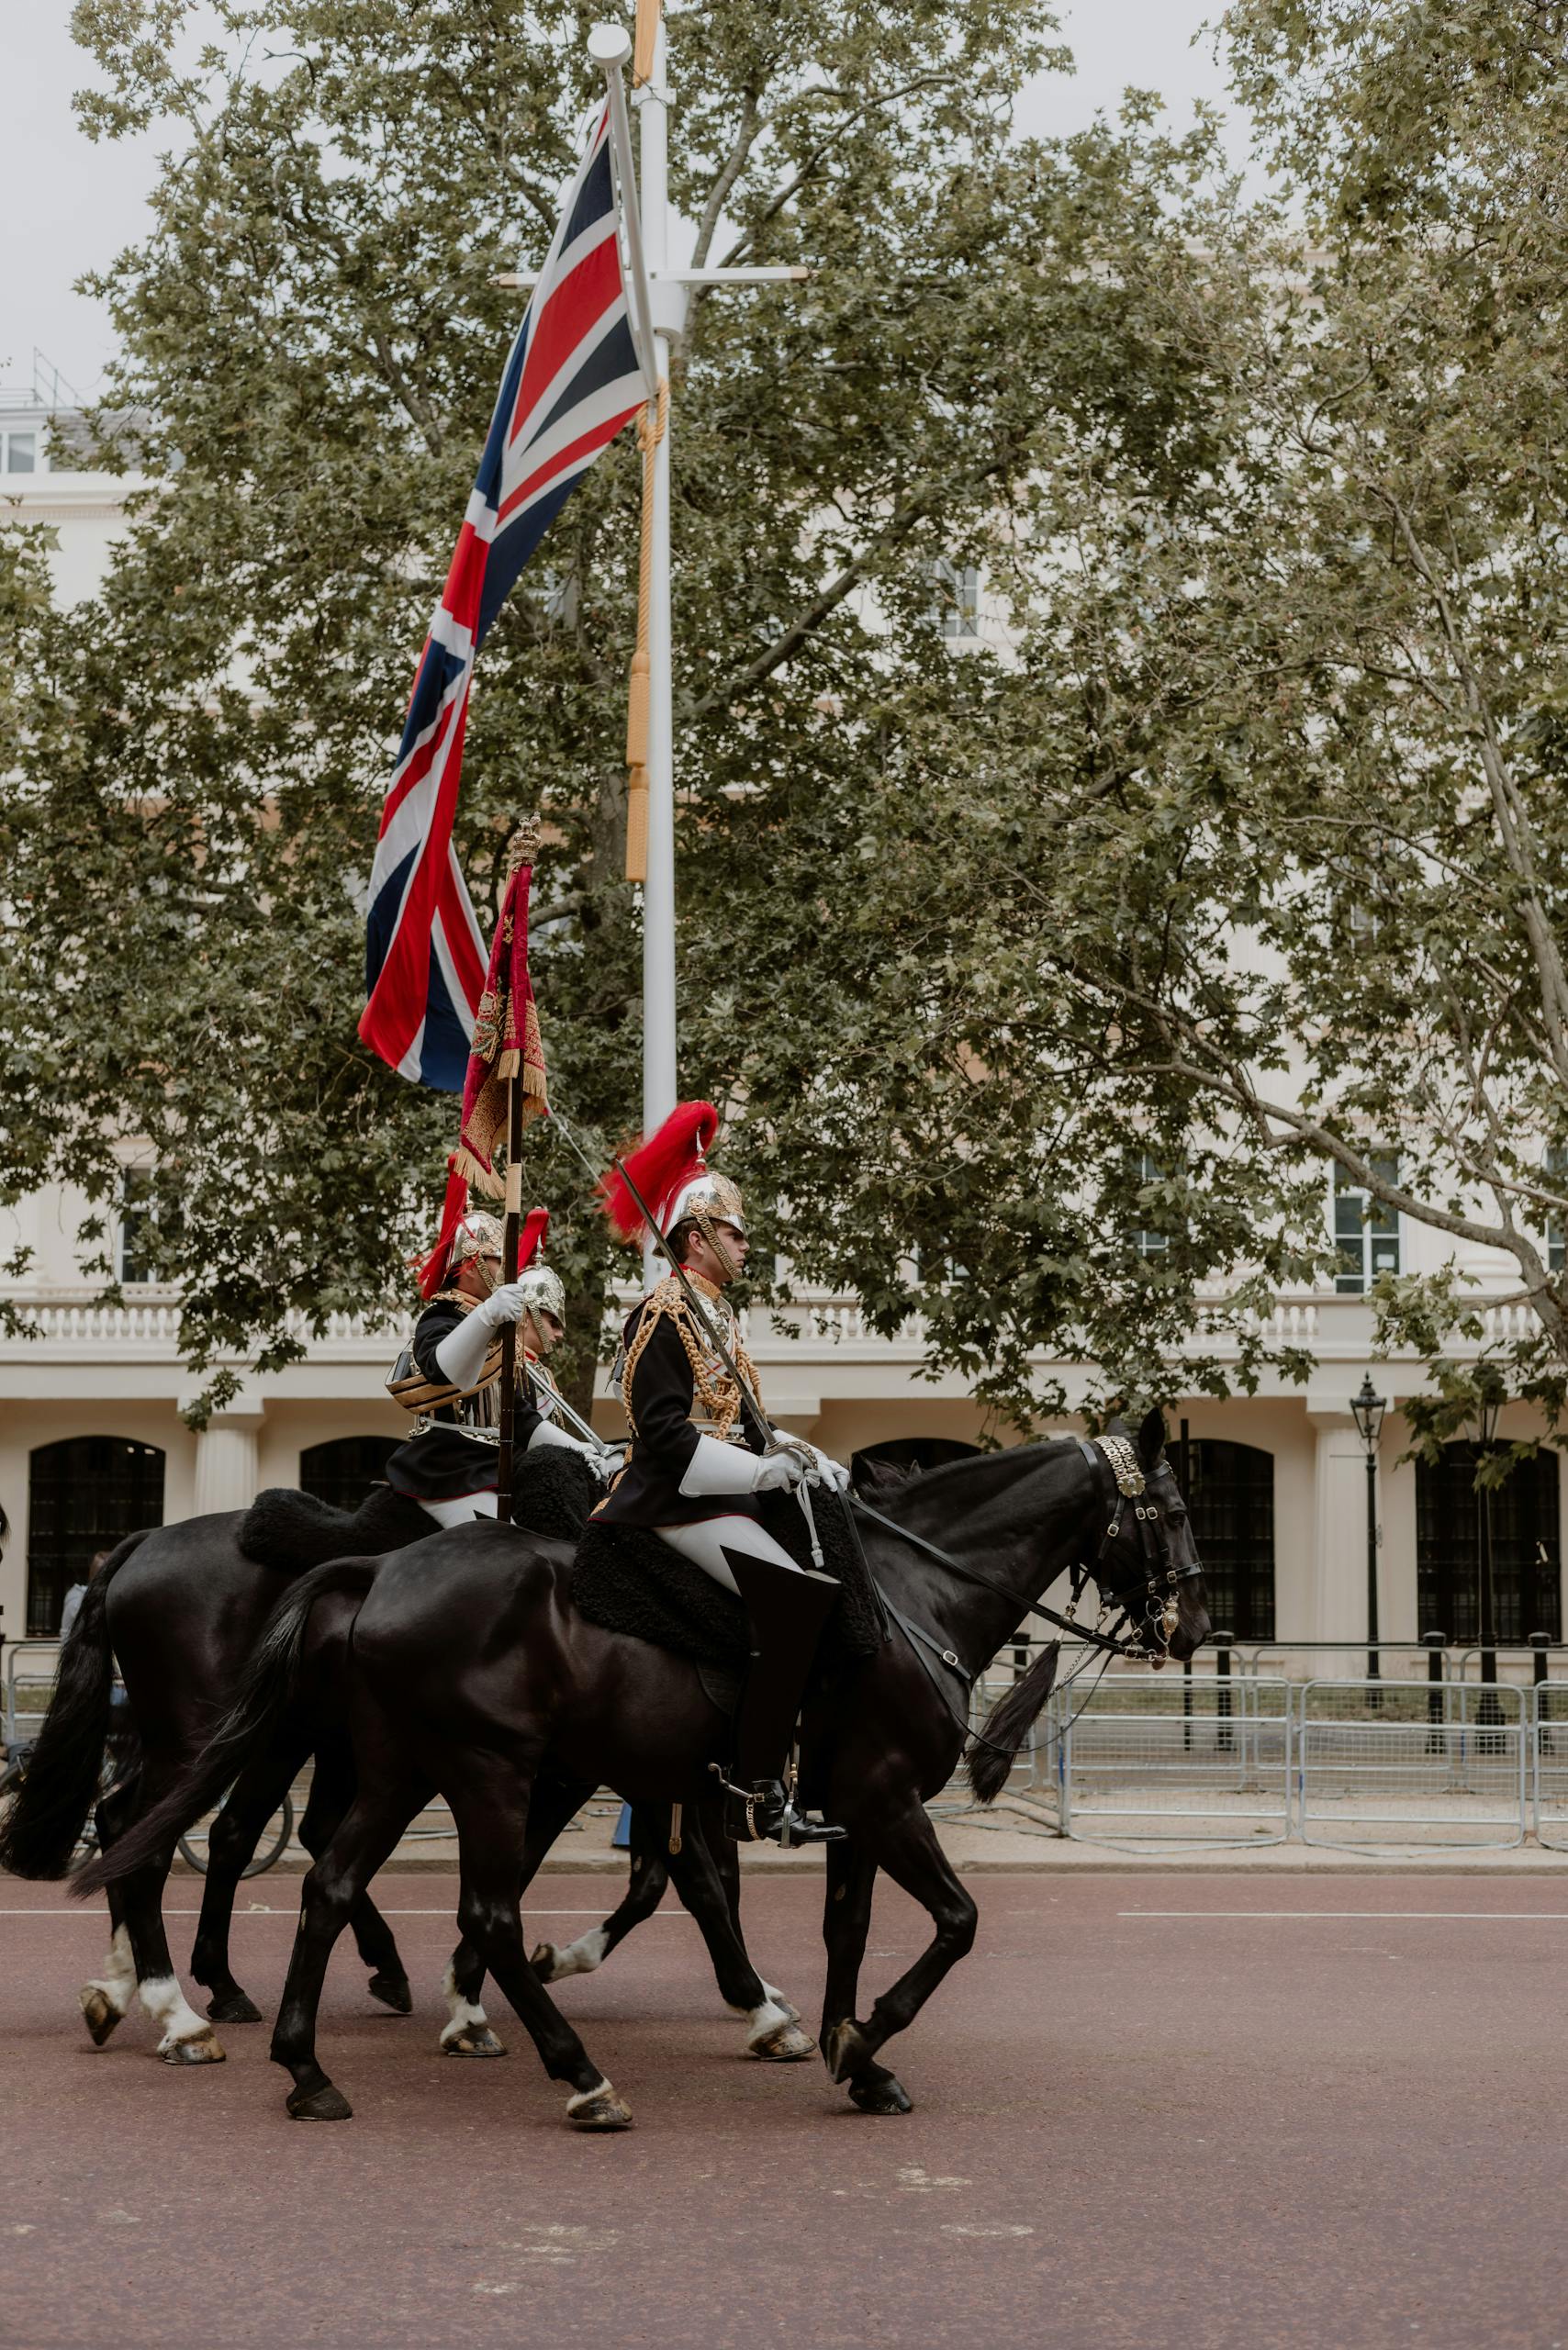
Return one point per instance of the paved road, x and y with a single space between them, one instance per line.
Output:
1188 2110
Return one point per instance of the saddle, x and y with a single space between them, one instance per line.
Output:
291 1530
625 1580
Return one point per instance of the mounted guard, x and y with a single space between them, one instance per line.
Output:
702 1452
450 1373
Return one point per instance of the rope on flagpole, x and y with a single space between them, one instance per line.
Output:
651 425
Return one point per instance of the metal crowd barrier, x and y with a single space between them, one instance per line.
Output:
17 1723
1394 1773
1247 1759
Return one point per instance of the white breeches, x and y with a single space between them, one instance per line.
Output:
461 1510
706 1543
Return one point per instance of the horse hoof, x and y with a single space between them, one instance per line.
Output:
785 2044
543 1961
884 2095
598 2109
233 2007
100 2013
204 2049
328 2104
392 1992
845 2051
474 2040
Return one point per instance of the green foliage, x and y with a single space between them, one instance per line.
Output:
1038 976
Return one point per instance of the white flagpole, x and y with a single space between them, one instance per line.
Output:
659 299
659 1081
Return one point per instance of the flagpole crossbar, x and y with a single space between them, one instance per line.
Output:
785 274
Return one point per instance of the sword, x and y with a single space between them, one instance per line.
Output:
557 1404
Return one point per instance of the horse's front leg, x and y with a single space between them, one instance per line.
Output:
907 1848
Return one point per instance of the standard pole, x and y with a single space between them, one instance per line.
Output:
511 1234
659 1090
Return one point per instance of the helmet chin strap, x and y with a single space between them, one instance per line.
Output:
710 1232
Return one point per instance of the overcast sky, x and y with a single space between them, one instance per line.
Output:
82 204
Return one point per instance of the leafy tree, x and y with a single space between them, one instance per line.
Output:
896 862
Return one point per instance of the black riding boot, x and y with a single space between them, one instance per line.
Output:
788 1610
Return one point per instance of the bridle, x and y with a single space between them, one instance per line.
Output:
1161 1580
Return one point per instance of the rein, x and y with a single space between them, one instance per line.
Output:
1122 1464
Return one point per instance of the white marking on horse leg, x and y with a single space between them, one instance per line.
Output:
464 2015
187 2038
118 1981
774 2033
582 1956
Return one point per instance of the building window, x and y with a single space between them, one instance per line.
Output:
85 1494
1526 1581
956 606
135 1216
1229 1493
1366 1234
20 452
343 1472
1554 1174
1146 1239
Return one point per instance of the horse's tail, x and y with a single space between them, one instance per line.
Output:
1008 1724
59 1782
266 1692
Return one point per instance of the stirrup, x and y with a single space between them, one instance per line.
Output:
763 1812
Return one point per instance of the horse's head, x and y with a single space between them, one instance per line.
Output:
1147 1563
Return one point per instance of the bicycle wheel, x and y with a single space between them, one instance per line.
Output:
269 1850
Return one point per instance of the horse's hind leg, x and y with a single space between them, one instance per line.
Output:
773 2029
467 2031
364 1839
489 1801
724 1854
644 1891
231 1842
332 1792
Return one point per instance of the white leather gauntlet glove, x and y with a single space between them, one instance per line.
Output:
829 1471
460 1354
716 1468
602 1464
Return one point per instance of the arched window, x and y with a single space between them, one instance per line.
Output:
343 1472
1526 1581
85 1494
1229 1493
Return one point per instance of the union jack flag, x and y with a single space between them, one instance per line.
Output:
571 383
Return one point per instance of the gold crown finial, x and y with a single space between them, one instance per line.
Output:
524 846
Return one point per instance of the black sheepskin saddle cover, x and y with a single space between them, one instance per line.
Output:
290 1530
630 1582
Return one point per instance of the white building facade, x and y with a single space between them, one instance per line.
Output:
93 1441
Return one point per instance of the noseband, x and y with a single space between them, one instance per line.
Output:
1161 1611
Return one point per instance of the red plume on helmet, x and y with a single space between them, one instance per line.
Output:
661 1166
432 1270
531 1239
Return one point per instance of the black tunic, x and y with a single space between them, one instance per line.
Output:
444 1463
647 1491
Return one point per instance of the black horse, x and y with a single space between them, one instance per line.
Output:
180 1607
472 1674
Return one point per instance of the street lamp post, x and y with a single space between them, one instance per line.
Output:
1486 1417
1368 1410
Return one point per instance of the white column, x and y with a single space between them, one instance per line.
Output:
1340 1531
227 1457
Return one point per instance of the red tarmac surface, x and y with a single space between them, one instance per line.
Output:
1205 2111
